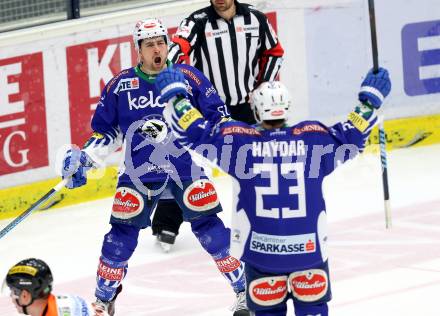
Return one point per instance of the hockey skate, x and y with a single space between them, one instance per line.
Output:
106 308
166 240
240 308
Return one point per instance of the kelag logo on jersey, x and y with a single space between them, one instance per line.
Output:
141 102
421 57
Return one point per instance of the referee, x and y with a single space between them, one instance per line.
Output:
235 46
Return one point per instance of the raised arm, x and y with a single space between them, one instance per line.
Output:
203 94
183 41
356 130
186 121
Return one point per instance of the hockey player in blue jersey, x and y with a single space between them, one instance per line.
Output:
279 222
155 165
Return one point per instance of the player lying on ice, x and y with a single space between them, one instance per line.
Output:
129 113
279 221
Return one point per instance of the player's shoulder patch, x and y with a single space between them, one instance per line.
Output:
309 127
235 128
126 83
190 73
117 77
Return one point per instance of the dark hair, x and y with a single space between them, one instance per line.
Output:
140 41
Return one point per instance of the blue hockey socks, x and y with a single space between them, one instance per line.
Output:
118 246
108 277
214 238
120 242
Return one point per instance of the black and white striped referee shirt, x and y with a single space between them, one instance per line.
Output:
235 55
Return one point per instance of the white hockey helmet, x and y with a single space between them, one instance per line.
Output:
270 101
148 28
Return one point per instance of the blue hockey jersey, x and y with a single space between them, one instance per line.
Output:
130 112
279 213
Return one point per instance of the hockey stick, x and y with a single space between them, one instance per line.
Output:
382 135
33 207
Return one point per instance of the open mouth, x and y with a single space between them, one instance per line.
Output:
157 60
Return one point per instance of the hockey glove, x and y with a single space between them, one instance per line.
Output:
171 83
75 165
375 88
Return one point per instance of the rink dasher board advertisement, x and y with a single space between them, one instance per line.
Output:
49 86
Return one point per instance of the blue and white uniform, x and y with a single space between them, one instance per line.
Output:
279 214
129 113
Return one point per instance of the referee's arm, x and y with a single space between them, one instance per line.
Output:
183 42
272 55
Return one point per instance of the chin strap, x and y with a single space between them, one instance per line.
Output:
45 309
24 307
